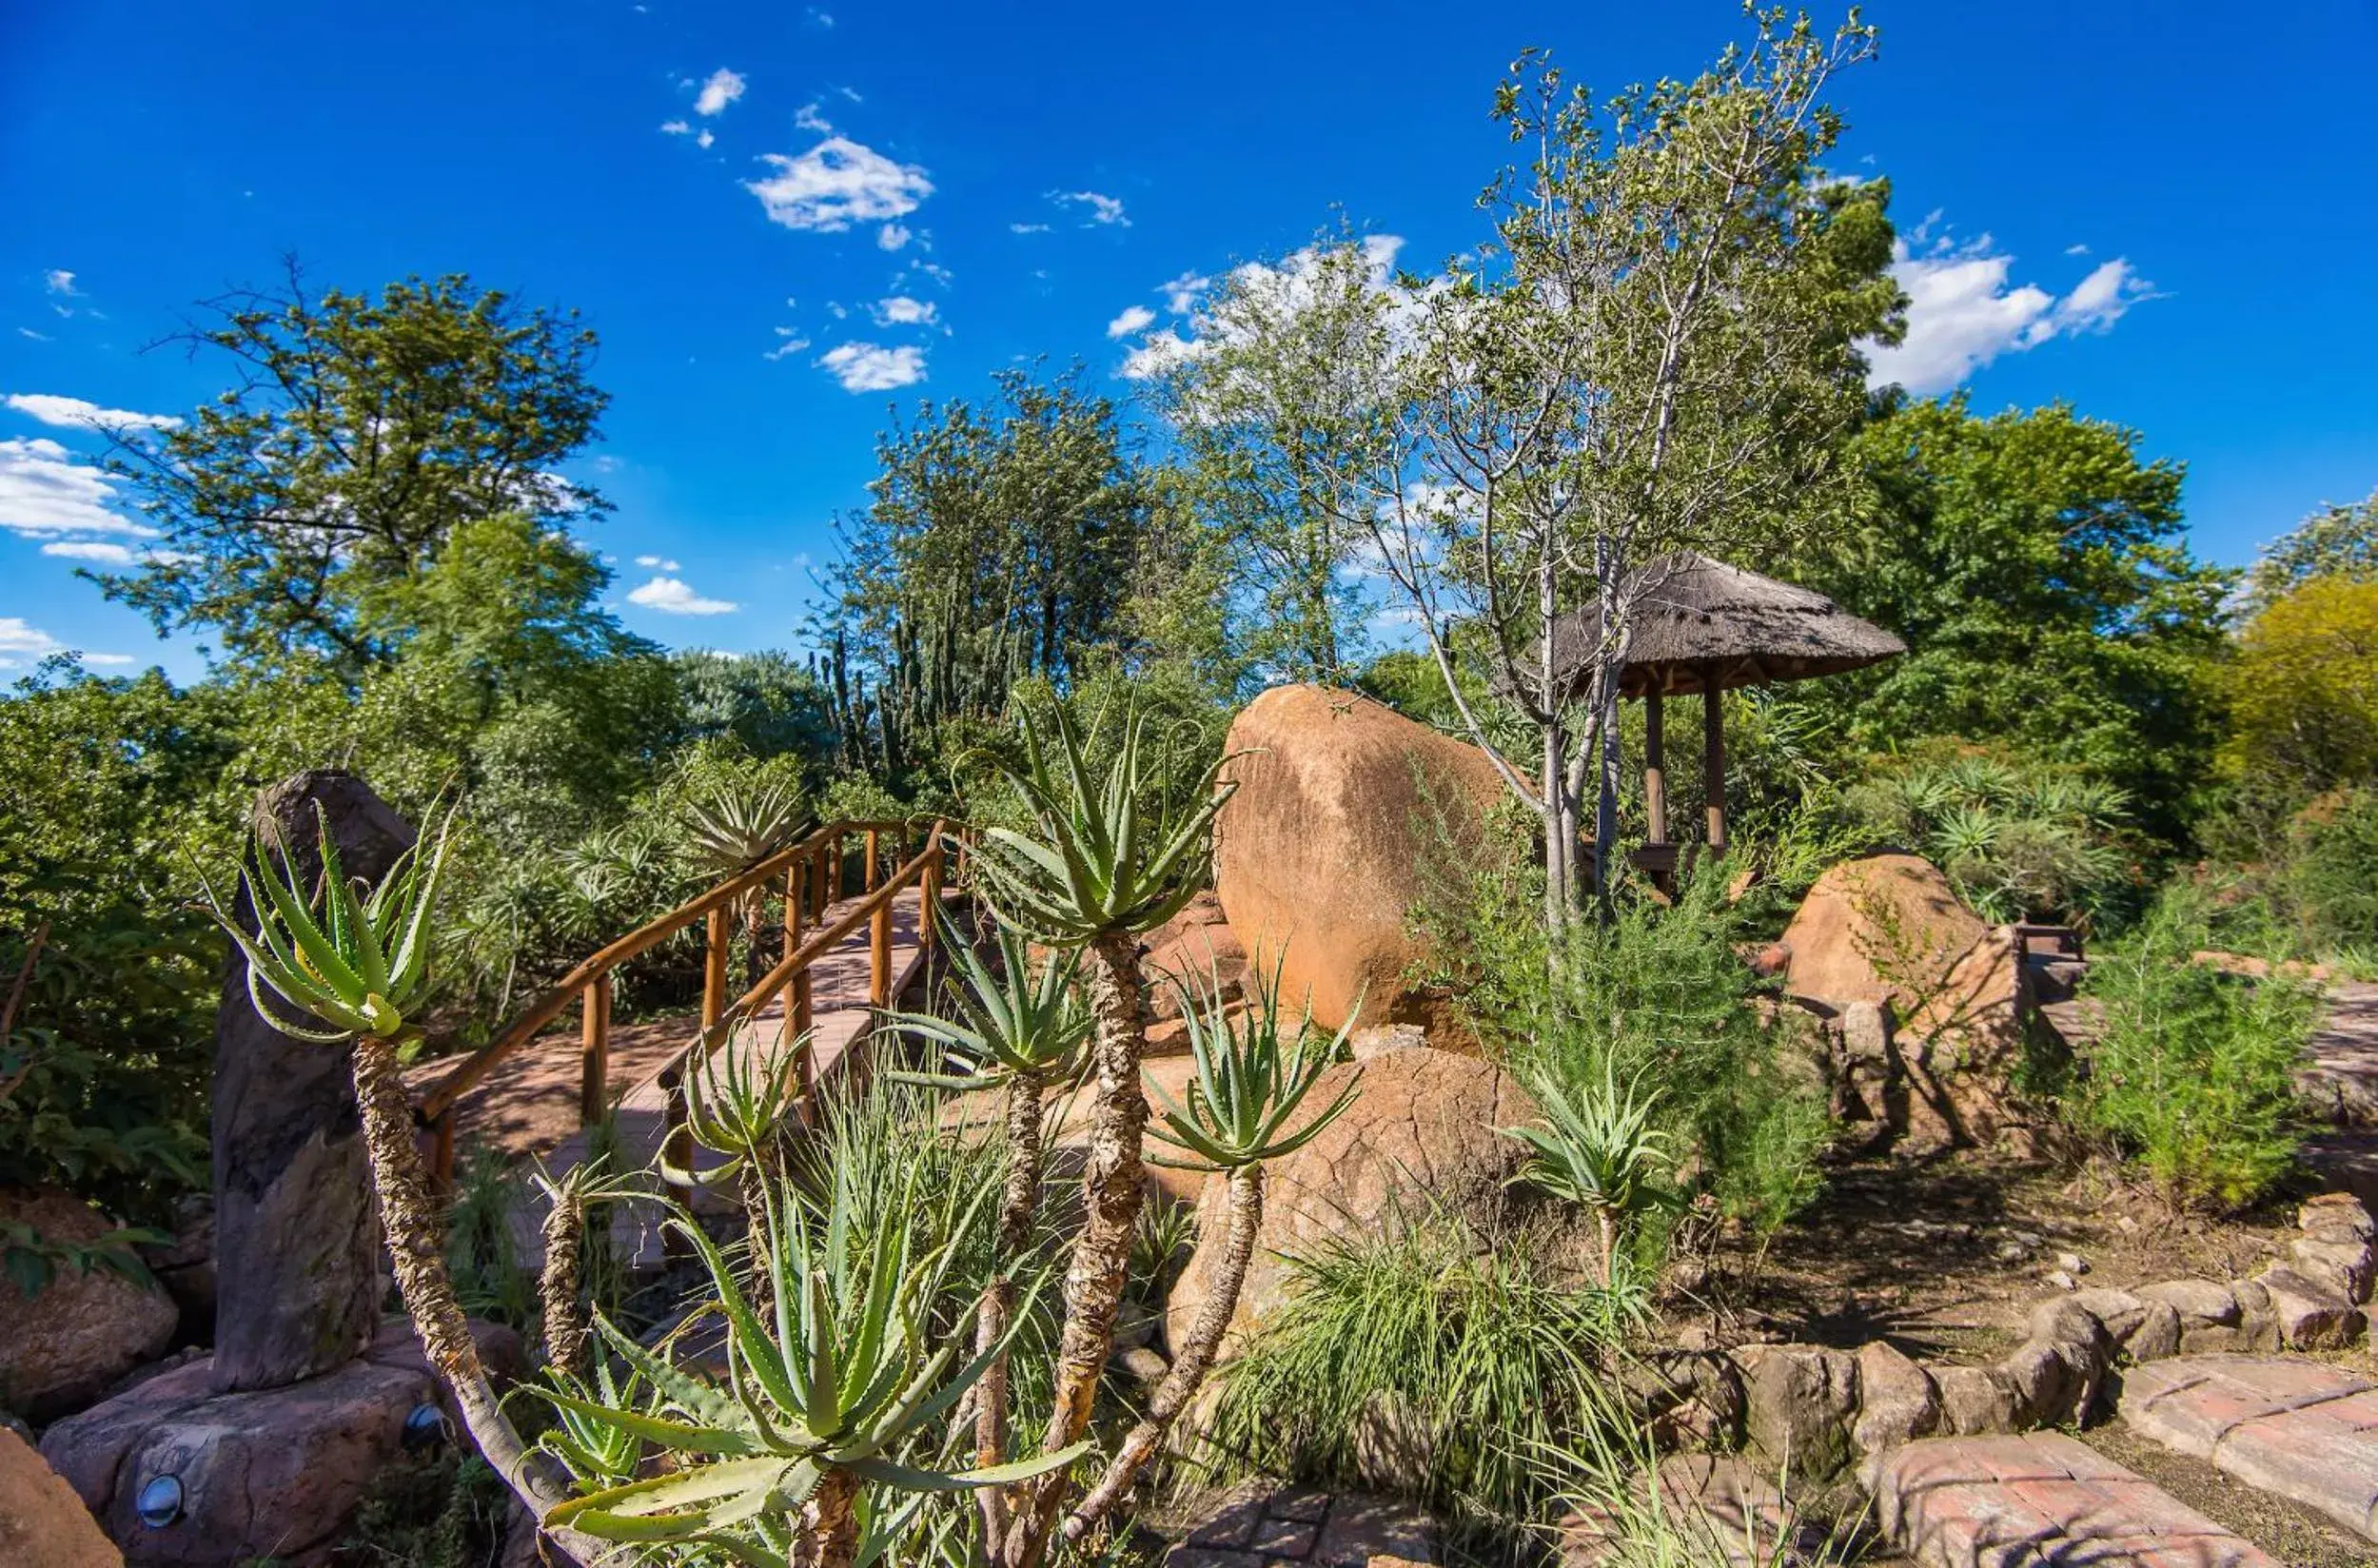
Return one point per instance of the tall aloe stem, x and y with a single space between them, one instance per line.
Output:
1195 1357
409 1216
1016 1203
1113 1186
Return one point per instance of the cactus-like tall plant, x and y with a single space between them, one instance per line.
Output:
1019 1027
346 968
1252 1081
1110 854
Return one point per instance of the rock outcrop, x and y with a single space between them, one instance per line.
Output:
272 1472
1343 809
297 1239
1924 999
1420 1137
61 1348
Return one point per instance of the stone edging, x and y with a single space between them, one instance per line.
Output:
1816 1408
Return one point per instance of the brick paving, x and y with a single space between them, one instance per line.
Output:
2041 1499
2296 1427
2338 1080
1258 1524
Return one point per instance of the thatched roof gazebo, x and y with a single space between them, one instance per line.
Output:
1697 625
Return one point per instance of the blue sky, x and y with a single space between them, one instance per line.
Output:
783 219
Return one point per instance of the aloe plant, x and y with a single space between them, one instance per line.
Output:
354 967
735 828
839 1388
1110 854
1597 1149
1019 1027
1253 1081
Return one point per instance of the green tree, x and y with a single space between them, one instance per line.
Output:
1274 416
359 434
1656 352
2335 541
2304 690
2039 571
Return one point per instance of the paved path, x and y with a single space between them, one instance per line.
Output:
2301 1428
2338 1082
2042 1499
1262 1525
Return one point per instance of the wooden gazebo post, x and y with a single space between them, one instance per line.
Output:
1655 770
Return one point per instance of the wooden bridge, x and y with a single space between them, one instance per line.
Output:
843 958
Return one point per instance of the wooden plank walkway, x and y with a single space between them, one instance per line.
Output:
529 1103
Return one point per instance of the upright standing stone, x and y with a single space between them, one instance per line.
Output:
297 1237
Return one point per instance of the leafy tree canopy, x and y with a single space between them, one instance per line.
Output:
360 434
2304 690
2335 541
2038 570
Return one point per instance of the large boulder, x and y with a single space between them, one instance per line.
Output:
272 1472
1887 935
1419 1138
1342 810
297 1237
41 1519
63 1345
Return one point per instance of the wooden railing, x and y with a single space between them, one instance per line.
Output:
813 871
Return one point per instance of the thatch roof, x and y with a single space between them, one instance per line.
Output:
1695 618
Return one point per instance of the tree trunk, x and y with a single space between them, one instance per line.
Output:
1560 829
1017 1204
1195 1359
830 1523
1606 798
416 1245
297 1245
1111 1186
558 1284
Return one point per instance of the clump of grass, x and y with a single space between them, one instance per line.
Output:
2193 1079
1427 1357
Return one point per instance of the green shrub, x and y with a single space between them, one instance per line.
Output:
2331 874
2194 1076
1469 1349
2019 838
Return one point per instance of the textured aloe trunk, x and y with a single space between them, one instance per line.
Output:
1196 1357
830 1523
416 1245
1016 1203
558 1283
1111 1187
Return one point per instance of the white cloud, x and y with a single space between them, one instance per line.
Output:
723 88
656 563
1138 318
59 281
900 310
837 184
98 550
37 337
1103 210
22 644
1963 313
823 19
75 414
868 367
705 139
675 127
791 343
893 236
45 492
1288 286
2077 250
809 117
672 597
1027 229
1180 295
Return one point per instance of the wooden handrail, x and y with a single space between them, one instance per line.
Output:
571 987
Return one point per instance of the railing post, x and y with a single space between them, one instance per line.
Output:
928 901
870 878
792 945
833 878
879 955
714 966
593 1051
